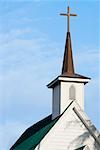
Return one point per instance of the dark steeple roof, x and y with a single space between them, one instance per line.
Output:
68 65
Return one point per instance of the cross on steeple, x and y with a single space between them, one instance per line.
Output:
68 65
68 15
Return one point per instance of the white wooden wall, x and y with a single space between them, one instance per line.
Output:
68 134
79 88
61 96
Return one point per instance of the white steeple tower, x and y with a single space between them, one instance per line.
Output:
69 86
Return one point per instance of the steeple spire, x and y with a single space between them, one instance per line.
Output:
68 86
68 65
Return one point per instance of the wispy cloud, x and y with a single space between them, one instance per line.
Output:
9 133
12 35
27 63
88 61
29 59
18 51
23 61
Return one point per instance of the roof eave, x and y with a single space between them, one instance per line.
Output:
60 78
53 83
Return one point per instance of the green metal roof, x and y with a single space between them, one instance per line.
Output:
32 141
33 135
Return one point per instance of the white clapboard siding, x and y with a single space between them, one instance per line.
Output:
68 133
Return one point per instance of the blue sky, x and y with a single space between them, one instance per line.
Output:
32 39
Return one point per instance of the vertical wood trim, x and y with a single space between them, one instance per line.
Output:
60 98
86 125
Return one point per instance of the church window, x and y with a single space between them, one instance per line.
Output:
72 92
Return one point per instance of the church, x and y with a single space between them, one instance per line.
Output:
68 127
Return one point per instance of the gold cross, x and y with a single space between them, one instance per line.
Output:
68 15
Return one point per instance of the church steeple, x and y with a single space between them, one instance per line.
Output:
68 65
68 86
